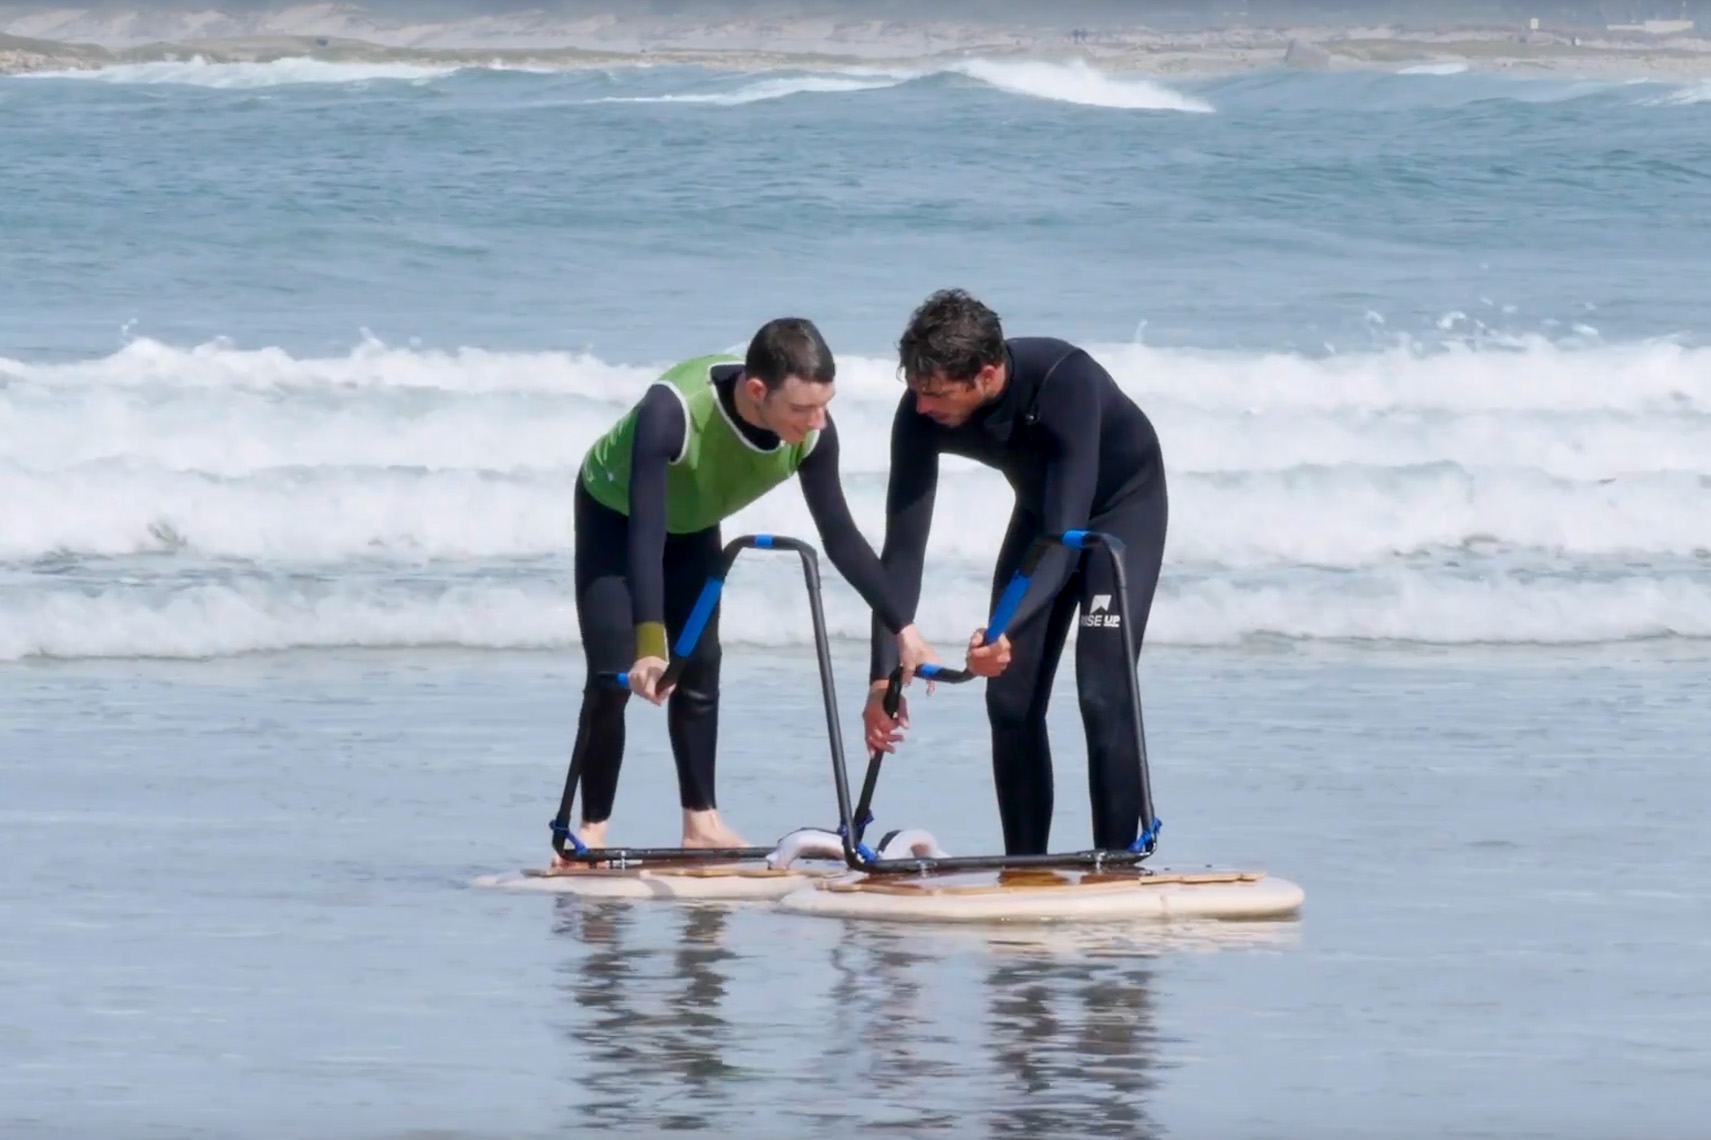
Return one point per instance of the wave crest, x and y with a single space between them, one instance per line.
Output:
215 498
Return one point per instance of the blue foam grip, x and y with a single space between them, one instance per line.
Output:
764 541
1075 539
928 669
867 856
1006 607
698 618
623 679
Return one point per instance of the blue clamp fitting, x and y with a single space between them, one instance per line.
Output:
561 829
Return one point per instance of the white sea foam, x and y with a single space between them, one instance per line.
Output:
146 363
1522 374
1531 492
1348 517
1079 82
1076 82
765 89
1682 96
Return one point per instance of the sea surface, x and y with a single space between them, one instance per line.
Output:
297 363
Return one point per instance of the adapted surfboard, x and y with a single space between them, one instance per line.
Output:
1035 894
832 873
664 879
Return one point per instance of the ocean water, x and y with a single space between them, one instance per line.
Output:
297 362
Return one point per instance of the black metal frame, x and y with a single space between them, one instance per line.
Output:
858 857
563 836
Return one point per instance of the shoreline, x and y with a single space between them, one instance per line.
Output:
1137 53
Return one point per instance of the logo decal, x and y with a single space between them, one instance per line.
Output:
1099 613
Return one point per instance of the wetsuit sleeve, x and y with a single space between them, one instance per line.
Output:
1069 423
845 545
909 499
659 434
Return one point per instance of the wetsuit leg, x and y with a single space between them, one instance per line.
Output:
608 646
692 710
1102 674
1016 702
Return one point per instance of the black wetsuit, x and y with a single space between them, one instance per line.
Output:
1080 455
628 571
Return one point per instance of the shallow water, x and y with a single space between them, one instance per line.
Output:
238 905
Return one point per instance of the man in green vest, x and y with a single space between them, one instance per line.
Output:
711 436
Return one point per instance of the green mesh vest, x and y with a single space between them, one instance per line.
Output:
718 472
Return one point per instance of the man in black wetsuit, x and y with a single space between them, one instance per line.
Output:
710 437
1080 455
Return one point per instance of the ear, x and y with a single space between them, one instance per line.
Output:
755 389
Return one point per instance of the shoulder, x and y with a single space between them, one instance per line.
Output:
698 367
1058 373
661 399
662 421
1037 357
694 375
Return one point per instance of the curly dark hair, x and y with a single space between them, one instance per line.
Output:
950 335
786 347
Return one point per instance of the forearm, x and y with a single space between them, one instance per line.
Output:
909 519
845 546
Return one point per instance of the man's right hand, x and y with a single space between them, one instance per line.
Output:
644 679
883 732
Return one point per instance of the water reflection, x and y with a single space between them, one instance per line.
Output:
651 1035
701 1018
1079 1041
963 1030
907 1042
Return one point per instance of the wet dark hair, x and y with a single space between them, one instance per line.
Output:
953 334
786 347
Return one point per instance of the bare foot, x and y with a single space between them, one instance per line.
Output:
592 835
704 829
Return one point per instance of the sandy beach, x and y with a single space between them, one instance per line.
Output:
73 39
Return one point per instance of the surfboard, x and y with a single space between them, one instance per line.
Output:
1049 895
666 879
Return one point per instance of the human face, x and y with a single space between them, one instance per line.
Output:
792 410
951 402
